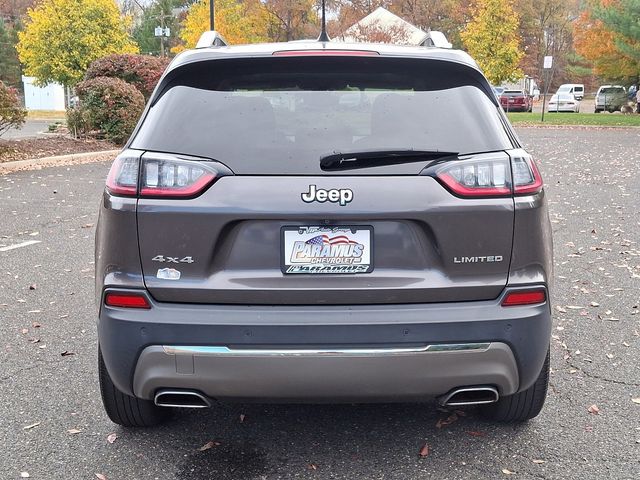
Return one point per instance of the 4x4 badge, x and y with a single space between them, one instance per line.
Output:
315 194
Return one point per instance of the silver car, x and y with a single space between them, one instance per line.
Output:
323 222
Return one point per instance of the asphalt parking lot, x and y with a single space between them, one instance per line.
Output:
53 425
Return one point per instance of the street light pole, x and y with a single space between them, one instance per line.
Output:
211 15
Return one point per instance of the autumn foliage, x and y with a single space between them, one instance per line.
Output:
141 71
12 115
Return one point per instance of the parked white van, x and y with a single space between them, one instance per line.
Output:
576 89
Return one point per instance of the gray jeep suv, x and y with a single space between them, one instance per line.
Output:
323 222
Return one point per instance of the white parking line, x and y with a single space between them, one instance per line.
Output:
19 245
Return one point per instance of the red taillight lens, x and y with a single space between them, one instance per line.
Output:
524 297
123 176
161 176
168 177
327 52
526 176
477 178
126 300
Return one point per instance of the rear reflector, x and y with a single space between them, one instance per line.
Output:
126 300
524 297
334 53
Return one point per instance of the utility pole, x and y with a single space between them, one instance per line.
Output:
211 24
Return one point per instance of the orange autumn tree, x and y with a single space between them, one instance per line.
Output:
596 44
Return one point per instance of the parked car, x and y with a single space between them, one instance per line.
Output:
563 102
610 98
516 101
575 89
289 251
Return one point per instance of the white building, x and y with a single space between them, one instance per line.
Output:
50 97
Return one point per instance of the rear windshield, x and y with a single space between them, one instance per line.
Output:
615 90
280 115
511 93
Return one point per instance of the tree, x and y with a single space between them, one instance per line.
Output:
291 19
237 22
491 37
62 37
159 13
598 44
621 18
10 72
12 115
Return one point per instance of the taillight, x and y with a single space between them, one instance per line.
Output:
525 297
476 178
123 176
325 52
526 176
126 300
159 175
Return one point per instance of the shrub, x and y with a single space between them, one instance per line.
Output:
110 105
78 121
142 71
12 115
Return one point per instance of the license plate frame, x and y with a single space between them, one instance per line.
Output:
296 237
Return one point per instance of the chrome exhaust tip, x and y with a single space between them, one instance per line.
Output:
459 397
181 398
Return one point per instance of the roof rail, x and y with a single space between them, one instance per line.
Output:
436 39
211 39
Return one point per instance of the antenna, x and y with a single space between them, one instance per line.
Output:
323 32
211 15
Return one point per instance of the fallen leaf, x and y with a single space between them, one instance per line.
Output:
67 353
424 451
33 286
209 445
560 309
112 437
636 400
29 427
25 331
36 325
34 311
73 431
506 471
100 476
24 475
87 225
477 434
313 466
242 417
593 409
595 304
538 461
448 421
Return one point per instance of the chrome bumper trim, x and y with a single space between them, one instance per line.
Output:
298 352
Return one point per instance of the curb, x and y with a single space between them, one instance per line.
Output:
35 163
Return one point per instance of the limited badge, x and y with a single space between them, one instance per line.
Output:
168 274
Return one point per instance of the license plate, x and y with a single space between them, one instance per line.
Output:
327 249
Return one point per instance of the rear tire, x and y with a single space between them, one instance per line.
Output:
124 409
521 406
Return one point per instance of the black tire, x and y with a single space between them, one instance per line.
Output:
521 406
124 409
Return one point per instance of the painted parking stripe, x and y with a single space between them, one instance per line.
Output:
19 245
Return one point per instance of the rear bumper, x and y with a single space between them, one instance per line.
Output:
327 353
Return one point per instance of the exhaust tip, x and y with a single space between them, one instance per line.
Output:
469 396
181 398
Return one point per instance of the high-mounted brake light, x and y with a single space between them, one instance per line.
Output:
525 297
526 176
325 52
161 175
479 178
126 300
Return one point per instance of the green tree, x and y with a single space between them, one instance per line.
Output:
622 18
491 37
157 14
10 72
62 37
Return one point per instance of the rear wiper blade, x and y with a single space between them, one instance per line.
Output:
378 158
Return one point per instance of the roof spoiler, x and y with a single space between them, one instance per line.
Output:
436 39
211 39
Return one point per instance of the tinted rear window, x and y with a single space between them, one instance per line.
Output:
610 90
280 115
